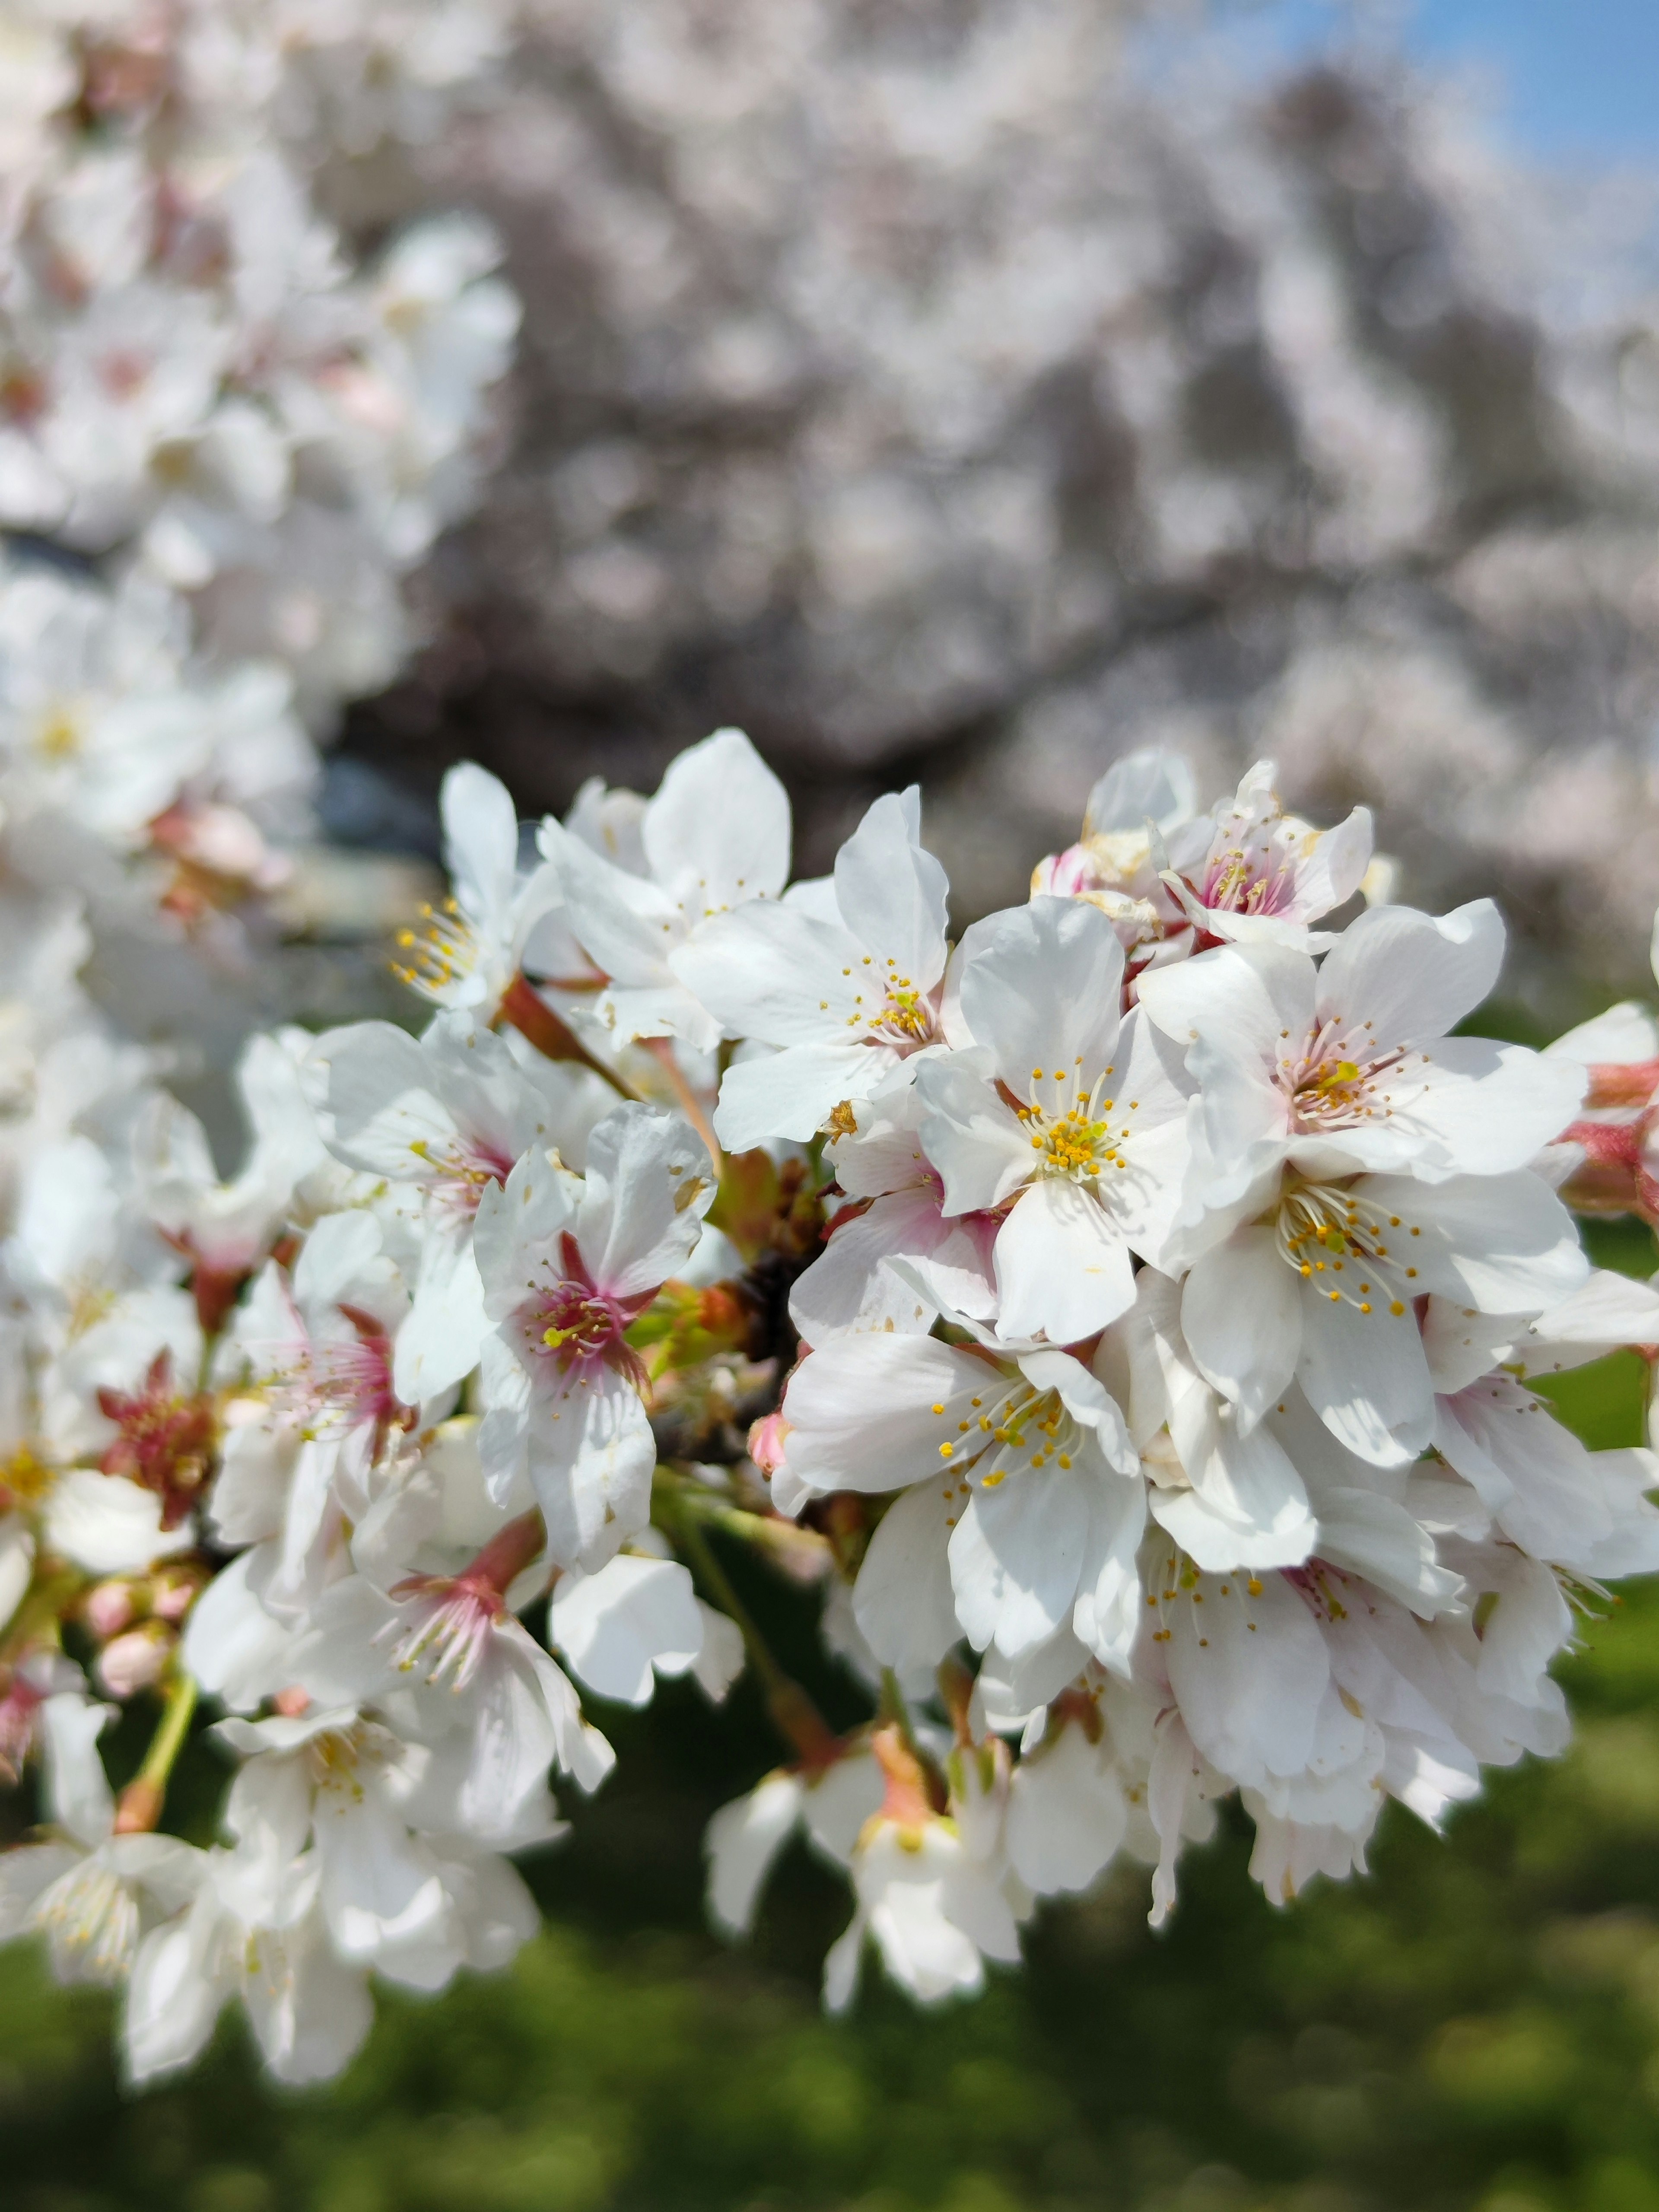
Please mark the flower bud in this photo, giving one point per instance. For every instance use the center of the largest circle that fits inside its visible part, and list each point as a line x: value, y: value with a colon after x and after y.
x: 109, y: 1609
x: 765, y: 1442
x: 174, y: 1588
x: 136, y: 1661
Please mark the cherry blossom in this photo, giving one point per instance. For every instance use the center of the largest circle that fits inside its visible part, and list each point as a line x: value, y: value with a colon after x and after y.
x: 843, y: 977
x: 1127, y: 1332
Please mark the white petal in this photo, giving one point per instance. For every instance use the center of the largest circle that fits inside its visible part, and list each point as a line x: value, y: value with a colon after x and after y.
x: 740, y: 1843
x: 793, y: 1093
x: 861, y: 1410
x: 1492, y: 1107
x: 78, y: 1788
x: 1247, y: 1508
x: 441, y: 1337
x: 972, y: 1134
x: 719, y: 826
x: 892, y: 895
x: 1250, y: 1671
x: 1414, y: 976
x: 848, y: 1287
x: 1367, y: 1377
x: 108, y: 1525
x: 1107, y: 1615
x: 1062, y: 1265
x: 1066, y: 1814
x: 1503, y: 1244
x: 1241, y: 1313
x: 618, y: 1625
x: 1042, y: 991
x: 650, y: 1180
x: 1377, y: 1538
x: 902, y: 1599
x: 776, y: 973
x: 481, y: 840
x: 1016, y: 1555
x: 1239, y: 999
x: 590, y: 1458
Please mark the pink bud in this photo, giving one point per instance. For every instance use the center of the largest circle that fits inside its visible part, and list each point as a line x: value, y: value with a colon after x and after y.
x: 765, y: 1442
x: 109, y: 1609
x: 174, y: 1590
x: 136, y: 1661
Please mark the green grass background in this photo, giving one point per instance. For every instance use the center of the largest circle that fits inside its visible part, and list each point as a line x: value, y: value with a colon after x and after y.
x: 1476, y: 2026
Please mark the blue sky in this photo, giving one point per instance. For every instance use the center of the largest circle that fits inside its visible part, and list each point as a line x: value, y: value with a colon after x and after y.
x: 1571, y: 80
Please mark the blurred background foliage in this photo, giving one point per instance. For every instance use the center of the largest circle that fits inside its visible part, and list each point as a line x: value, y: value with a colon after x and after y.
x: 1477, y: 2026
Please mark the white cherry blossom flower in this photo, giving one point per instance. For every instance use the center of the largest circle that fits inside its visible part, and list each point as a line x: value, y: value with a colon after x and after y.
x: 91, y: 1891
x: 450, y: 1117
x: 1067, y: 1119
x: 254, y: 1932
x: 567, y: 1268
x: 473, y: 950
x: 844, y: 979
x: 930, y: 1891
x: 1023, y: 1503
x: 1348, y: 1067
x: 1253, y: 871
x: 895, y: 1213
x: 714, y: 840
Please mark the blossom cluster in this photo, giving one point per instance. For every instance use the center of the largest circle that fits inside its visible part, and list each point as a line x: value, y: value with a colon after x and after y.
x: 223, y: 441
x: 1121, y: 1324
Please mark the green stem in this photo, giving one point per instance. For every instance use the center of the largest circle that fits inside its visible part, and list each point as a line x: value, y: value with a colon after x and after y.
x: 793, y: 1711
x: 38, y: 1619
x: 893, y: 1709
x: 141, y: 1800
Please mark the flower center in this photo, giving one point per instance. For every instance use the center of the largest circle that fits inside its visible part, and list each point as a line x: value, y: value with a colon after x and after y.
x: 90, y: 1918
x: 907, y: 1017
x: 461, y: 1173
x: 1341, y: 1078
x: 574, y: 1321
x: 59, y: 735
x: 1343, y: 1247
x: 1174, y: 1579
x: 447, y: 1639
x: 166, y: 1440
x: 1236, y: 882
x: 1076, y: 1138
x: 443, y: 955
x: 1013, y: 1428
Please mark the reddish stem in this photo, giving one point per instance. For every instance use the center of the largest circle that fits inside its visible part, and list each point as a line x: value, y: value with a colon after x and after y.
x: 524, y: 1007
